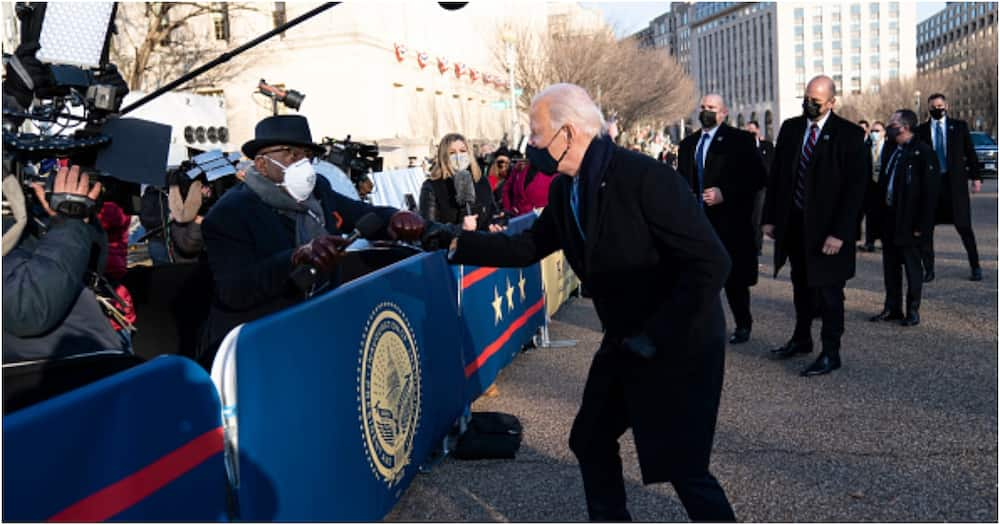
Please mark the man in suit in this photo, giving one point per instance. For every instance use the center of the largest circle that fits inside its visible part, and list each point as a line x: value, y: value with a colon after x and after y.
x: 725, y: 172
x: 957, y: 157
x: 766, y: 150
x: 280, y: 229
x: 907, y: 209
x: 646, y: 251
x: 811, y: 212
x: 874, y: 143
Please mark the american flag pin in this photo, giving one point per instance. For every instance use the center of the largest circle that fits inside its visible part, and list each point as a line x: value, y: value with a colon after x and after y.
x: 826, y: 137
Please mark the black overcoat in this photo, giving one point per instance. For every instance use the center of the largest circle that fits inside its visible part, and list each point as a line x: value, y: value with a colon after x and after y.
x: 963, y: 166
x: 835, y: 188
x: 653, y: 265
x: 733, y: 165
x: 249, y: 247
x: 913, y: 192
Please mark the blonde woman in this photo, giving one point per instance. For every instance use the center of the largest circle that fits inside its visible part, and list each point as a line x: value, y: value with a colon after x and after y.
x: 438, y: 200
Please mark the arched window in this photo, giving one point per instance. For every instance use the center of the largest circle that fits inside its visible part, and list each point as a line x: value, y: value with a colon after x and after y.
x: 768, y: 124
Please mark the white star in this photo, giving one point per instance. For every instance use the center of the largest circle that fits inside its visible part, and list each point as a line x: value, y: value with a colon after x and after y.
x: 510, y: 295
x: 520, y: 284
x: 497, y: 306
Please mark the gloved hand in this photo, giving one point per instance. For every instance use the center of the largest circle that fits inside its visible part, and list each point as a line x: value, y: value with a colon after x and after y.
x: 406, y: 226
x: 640, y: 345
x: 438, y: 236
x: 322, y: 253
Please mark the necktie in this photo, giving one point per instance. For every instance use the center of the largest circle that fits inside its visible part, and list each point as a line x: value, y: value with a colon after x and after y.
x: 891, y: 169
x: 800, y: 182
x: 939, y: 146
x: 700, y: 165
x: 574, y: 202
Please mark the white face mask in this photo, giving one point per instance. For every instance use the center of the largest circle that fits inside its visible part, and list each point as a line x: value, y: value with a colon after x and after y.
x: 300, y: 178
x: 459, y: 161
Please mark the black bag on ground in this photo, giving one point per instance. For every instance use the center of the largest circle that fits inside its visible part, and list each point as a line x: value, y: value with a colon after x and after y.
x: 490, y: 435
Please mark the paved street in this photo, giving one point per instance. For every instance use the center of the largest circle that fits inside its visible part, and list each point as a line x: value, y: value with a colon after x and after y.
x: 906, y: 431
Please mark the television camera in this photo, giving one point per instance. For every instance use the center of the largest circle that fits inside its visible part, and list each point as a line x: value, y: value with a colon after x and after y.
x: 356, y: 159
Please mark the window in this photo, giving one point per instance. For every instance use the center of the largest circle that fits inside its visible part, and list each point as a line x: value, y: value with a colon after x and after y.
x: 800, y: 13
x: 800, y: 62
x: 837, y: 61
x: 799, y: 49
x: 856, y: 61
x: 818, y: 65
x: 873, y: 26
x: 835, y: 45
x: 818, y: 31
x: 280, y: 15
x: 893, y: 74
x: 220, y: 21
x: 856, y: 45
x: 855, y: 9
x: 873, y: 9
x: 874, y: 61
x: 894, y: 26
x: 874, y: 43
x: 817, y: 46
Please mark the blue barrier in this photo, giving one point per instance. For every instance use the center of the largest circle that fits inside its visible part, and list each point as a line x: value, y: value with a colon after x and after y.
x: 135, y: 446
x: 339, y: 400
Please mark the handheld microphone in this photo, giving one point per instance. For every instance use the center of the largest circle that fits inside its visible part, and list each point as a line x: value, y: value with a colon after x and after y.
x: 465, y: 190
x: 367, y: 226
x: 305, y: 276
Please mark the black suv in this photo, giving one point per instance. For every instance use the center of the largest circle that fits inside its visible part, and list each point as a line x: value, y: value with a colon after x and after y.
x: 986, y: 153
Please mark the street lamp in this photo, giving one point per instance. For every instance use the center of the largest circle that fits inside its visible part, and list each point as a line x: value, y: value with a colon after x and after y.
x: 509, y: 38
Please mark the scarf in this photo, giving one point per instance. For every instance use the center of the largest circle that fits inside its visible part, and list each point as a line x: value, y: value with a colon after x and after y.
x: 308, y: 215
x: 592, y: 167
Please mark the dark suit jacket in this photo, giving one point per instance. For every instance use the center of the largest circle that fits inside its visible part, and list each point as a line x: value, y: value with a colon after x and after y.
x: 963, y: 166
x: 733, y: 165
x: 766, y: 150
x: 653, y: 265
x: 835, y: 186
x: 913, y: 192
x: 249, y: 247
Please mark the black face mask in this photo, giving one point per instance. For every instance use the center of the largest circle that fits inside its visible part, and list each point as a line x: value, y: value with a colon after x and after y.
x: 542, y: 160
x: 937, y: 113
x: 810, y: 108
x: 708, y: 119
x: 891, y: 133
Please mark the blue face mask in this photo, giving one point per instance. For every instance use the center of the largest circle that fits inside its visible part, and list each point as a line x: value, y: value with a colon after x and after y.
x: 542, y: 160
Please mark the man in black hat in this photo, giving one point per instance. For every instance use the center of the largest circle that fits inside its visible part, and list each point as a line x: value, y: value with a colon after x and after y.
x: 281, y: 223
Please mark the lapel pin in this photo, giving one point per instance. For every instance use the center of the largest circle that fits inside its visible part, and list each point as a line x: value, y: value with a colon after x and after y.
x: 826, y: 137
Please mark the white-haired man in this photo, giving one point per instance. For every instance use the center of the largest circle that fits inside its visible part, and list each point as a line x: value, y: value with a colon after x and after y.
x: 655, y: 267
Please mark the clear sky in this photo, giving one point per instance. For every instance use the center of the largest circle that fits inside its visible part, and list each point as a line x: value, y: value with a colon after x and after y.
x: 629, y: 17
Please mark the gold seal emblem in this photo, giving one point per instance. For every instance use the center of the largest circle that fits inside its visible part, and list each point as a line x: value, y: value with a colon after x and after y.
x: 389, y: 391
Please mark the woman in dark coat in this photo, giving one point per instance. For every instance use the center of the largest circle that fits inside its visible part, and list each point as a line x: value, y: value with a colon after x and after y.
x: 438, y: 200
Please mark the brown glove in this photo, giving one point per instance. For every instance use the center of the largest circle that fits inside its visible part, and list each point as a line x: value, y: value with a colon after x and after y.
x: 406, y: 226
x: 322, y: 253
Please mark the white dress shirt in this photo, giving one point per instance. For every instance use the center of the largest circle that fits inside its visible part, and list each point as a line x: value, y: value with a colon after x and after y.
x: 708, y: 143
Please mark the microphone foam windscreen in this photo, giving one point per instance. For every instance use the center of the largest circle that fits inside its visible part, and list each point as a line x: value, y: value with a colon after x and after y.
x: 465, y: 189
x: 369, y: 225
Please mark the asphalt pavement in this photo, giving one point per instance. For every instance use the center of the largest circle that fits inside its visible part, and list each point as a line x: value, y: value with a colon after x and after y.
x: 906, y: 431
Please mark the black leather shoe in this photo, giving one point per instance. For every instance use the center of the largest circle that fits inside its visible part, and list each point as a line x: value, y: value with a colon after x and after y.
x: 887, y: 315
x: 928, y: 276
x: 977, y: 274
x: 740, y: 336
x: 824, y: 364
x: 912, y: 319
x: 791, y: 348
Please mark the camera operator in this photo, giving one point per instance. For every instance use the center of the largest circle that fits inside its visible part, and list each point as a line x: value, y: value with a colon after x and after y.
x: 48, y: 310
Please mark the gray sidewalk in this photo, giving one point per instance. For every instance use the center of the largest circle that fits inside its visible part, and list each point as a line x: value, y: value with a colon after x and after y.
x: 906, y: 431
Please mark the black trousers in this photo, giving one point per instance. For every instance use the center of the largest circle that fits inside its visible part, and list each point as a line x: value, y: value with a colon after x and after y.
x: 739, y: 304
x: 758, y: 214
x: 968, y: 241
x: 872, y: 215
x: 601, y: 421
x: 895, y: 259
x: 829, y: 299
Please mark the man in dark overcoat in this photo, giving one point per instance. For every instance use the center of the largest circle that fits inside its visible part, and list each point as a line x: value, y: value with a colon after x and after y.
x: 270, y: 234
x: 725, y: 172
x: 906, y: 206
x: 952, y: 144
x: 811, y: 212
x: 654, y: 266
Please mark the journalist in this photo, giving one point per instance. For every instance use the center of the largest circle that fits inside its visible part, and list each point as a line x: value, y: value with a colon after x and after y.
x: 49, y: 311
x: 281, y: 223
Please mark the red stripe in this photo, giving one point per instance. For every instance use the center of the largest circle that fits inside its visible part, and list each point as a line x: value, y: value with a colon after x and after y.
x: 492, y: 348
x: 119, y: 496
x: 476, y: 276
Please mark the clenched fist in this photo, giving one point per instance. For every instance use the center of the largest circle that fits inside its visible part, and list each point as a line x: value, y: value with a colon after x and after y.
x: 406, y: 226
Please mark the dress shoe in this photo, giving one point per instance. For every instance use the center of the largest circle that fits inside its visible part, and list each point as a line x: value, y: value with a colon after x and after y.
x: 912, y: 319
x: 887, y: 315
x: 791, y: 348
x: 977, y: 274
x: 824, y: 364
x: 928, y: 276
x: 740, y: 336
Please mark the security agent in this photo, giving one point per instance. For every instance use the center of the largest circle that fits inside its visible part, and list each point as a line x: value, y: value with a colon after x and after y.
x: 48, y: 310
x: 907, y: 215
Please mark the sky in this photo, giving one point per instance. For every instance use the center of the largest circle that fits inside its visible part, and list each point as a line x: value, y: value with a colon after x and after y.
x: 629, y: 17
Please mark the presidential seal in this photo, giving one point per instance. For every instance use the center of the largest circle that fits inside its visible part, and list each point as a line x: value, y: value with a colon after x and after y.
x: 388, y: 391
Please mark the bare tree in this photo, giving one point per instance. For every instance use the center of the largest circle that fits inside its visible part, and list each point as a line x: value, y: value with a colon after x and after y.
x: 639, y: 85
x: 160, y: 41
x: 879, y: 104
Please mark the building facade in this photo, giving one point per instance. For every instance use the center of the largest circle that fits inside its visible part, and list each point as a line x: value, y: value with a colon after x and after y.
x: 759, y: 55
x: 960, y: 41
